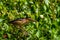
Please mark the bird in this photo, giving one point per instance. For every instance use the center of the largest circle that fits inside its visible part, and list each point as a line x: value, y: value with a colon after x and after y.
x: 22, y: 21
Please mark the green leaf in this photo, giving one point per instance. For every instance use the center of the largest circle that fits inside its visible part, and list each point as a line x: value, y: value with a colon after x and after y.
x: 1, y: 20
x: 38, y: 33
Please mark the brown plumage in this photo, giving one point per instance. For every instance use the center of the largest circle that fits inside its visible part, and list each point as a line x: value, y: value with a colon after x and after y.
x: 22, y: 22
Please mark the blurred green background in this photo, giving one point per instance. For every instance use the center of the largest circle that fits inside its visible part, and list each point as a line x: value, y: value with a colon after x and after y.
x: 46, y: 12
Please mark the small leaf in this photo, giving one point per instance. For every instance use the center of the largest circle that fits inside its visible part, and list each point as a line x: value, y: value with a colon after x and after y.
x: 1, y: 20
x: 47, y: 2
x: 6, y: 27
x: 37, y: 24
x: 38, y: 33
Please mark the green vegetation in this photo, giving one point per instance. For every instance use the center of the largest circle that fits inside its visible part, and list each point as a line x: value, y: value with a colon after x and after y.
x: 46, y: 12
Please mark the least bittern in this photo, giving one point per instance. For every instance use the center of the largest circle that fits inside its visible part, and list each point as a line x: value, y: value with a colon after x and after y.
x: 21, y: 22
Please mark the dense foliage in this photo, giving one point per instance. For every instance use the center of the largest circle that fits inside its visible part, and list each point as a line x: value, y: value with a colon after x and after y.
x: 46, y: 12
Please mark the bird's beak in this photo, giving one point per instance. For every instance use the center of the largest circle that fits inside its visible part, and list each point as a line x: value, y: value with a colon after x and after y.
x: 32, y: 20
